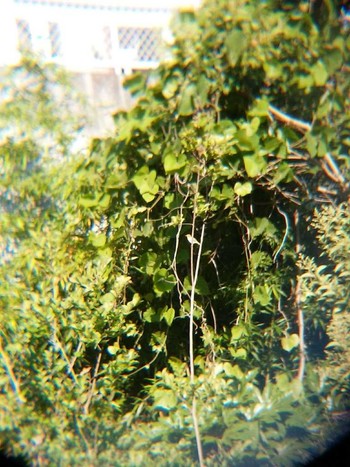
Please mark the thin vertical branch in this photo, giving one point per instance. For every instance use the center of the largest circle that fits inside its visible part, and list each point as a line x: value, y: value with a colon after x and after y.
x: 10, y: 373
x: 93, y: 383
x: 56, y: 342
x: 300, y: 314
x: 196, y: 431
x: 179, y: 285
x: 194, y: 266
x: 194, y: 279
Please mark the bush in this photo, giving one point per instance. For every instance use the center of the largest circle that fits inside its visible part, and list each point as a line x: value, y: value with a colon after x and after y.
x: 156, y: 310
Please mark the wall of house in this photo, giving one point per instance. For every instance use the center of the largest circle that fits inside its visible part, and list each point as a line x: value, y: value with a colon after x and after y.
x: 99, y: 41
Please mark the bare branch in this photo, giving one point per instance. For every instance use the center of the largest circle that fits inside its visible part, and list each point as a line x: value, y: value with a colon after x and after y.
x: 93, y: 383
x: 301, y: 324
x: 334, y: 168
x: 10, y: 373
x: 291, y: 121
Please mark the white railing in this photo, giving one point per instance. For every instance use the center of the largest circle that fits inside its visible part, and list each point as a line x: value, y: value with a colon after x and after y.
x: 87, y: 34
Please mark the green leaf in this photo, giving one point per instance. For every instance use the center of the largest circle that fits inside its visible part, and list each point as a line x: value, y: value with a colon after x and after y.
x: 163, y: 281
x: 259, y: 109
x: 254, y: 165
x: 202, y: 287
x: 238, y: 353
x: 283, y: 174
x: 333, y: 60
x: 88, y: 201
x: 235, y: 42
x: 305, y: 81
x: 262, y: 226
x: 247, y: 140
x: 311, y: 144
x: 149, y: 262
x: 107, y: 298
x: 97, y: 240
x: 170, y: 87
x: 319, y: 74
x: 135, y: 83
x: 164, y: 399
x: 145, y: 182
x: 151, y: 316
x: 174, y: 162
x: 290, y: 342
x: 186, y: 101
x: 203, y: 87
x: 233, y: 371
x: 104, y: 201
x: 237, y: 332
x: 243, y: 189
x: 169, y: 316
x: 262, y: 295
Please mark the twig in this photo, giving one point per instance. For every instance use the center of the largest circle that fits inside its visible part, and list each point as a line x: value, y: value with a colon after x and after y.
x: 334, y: 168
x: 288, y: 120
x: 196, y: 431
x: 329, y: 166
x: 146, y: 365
x: 78, y: 349
x: 58, y: 344
x: 93, y: 384
x: 10, y: 373
x: 194, y: 279
x: 301, y: 324
x: 275, y: 256
x: 177, y: 242
x: 82, y: 436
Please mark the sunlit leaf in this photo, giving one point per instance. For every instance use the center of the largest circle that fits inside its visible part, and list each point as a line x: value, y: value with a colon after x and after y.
x: 290, y: 342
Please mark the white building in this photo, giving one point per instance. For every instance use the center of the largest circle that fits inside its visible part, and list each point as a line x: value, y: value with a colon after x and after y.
x: 98, y: 40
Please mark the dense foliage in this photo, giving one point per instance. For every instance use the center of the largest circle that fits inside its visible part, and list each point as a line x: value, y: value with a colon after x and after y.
x: 180, y: 292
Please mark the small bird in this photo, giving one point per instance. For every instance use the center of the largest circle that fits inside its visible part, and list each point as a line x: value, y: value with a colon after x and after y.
x: 192, y: 240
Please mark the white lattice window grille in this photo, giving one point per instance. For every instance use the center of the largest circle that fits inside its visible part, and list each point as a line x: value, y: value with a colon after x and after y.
x: 145, y: 41
x: 24, y: 37
x: 55, y: 40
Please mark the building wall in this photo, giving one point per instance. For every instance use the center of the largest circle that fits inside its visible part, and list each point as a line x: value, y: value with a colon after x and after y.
x: 99, y: 41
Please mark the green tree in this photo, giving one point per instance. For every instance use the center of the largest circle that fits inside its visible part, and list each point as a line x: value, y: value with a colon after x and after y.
x: 158, y: 312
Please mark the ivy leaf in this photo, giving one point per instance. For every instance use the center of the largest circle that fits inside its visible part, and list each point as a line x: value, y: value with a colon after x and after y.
x: 259, y: 109
x: 237, y: 332
x: 262, y: 295
x: 174, y: 162
x: 164, y: 399
x: 168, y: 316
x: 319, y: 74
x: 243, y: 189
x: 151, y: 316
x: 170, y: 87
x: 203, y: 87
x: 262, y: 226
x: 254, y: 165
x: 88, y: 201
x: 145, y: 182
x: 186, y: 103
x: 290, y: 342
x: 235, y: 42
x: 97, y: 240
x: 163, y: 281
x: 284, y: 173
x: 239, y: 353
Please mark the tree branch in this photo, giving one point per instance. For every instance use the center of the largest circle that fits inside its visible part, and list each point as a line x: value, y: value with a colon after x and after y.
x: 300, y: 313
x: 10, y: 373
x: 290, y: 121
